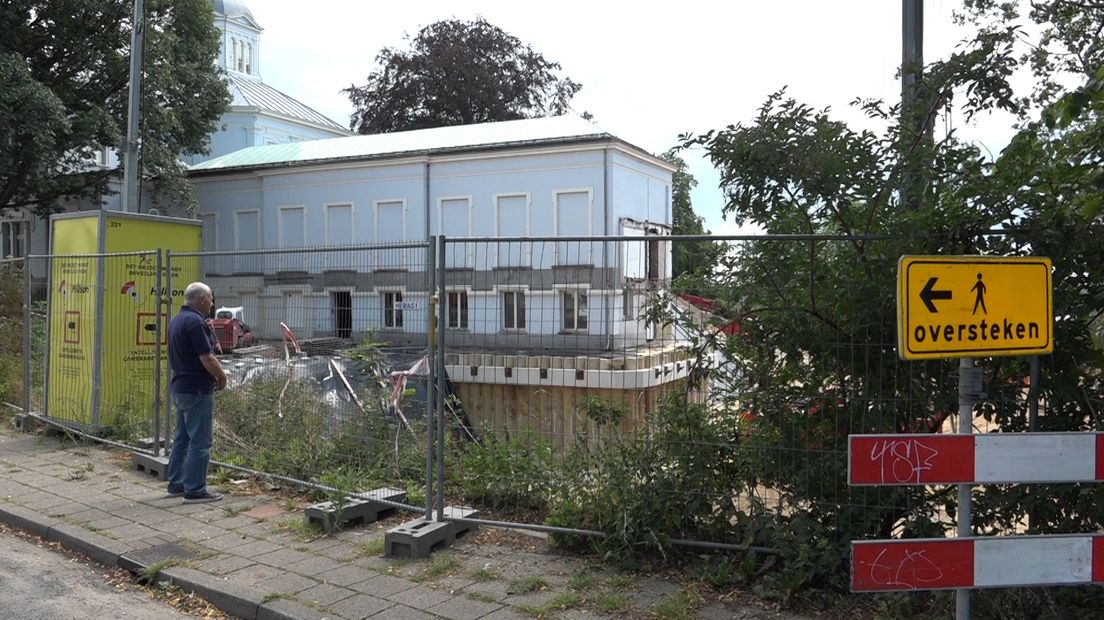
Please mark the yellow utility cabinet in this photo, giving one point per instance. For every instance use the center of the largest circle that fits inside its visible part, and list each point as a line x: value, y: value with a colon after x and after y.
x: 103, y: 308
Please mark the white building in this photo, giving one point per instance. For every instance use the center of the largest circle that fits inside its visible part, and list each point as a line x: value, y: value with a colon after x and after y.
x: 549, y: 177
x: 259, y: 114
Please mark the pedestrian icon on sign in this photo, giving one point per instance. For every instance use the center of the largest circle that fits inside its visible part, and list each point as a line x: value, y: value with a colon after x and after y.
x: 980, y: 299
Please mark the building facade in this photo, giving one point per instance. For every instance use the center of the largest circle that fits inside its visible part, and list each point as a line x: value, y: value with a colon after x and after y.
x: 518, y: 186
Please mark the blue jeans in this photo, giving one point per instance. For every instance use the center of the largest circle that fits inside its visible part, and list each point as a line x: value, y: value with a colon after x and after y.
x: 191, y: 449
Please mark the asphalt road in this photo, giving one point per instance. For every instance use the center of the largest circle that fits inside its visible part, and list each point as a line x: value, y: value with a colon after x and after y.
x: 38, y: 583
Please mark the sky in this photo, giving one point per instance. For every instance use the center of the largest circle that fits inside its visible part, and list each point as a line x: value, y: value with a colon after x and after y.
x: 649, y: 72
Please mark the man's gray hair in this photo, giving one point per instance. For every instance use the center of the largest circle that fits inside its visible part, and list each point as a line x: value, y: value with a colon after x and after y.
x: 195, y: 290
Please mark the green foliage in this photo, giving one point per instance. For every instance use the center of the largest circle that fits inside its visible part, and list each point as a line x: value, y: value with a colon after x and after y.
x: 689, y: 257
x: 11, y: 333
x: 63, y: 95
x: 627, y: 488
x: 458, y: 73
x: 527, y: 585
x: 442, y: 565
x: 815, y: 357
x: 505, y: 473
x: 307, y: 439
x: 602, y: 412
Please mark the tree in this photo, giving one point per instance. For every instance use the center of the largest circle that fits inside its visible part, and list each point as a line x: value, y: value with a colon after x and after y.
x: 458, y: 73
x: 64, y: 69
x: 816, y: 358
x: 690, y: 257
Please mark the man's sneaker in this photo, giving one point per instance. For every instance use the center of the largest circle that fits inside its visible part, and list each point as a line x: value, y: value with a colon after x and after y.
x: 209, y: 496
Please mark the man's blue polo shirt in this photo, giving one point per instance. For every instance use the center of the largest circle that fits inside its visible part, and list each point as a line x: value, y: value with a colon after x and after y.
x: 189, y: 338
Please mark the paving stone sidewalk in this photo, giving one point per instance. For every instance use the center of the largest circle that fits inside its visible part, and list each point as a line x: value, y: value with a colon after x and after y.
x: 247, y: 556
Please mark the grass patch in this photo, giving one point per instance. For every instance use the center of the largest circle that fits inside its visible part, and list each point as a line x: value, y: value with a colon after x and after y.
x: 443, y: 564
x: 149, y: 574
x: 297, y: 528
x: 561, y: 602
x: 482, y: 598
x: 272, y: 596
x: 233, y: 511
x: 373, y: 547
x: 484, y: 574
x: 80, y: 473
x: 527, y: 585
x: 613, y: 603
x: 674, y: 606
x: 289, y: 505
x: 582, y: 580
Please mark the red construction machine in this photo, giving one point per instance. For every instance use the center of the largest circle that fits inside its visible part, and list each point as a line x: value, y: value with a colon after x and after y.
x: 230, y: 330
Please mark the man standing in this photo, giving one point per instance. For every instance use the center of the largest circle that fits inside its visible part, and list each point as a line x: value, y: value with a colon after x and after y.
x: 196, y: 374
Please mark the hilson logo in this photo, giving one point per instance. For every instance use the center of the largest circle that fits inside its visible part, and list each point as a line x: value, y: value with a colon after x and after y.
x: 132, y: 291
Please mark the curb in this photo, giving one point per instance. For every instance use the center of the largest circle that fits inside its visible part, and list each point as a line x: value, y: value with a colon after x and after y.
x: 233, y: 599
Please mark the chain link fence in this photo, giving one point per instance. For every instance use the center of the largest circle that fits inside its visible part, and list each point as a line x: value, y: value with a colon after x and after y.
x: 688, y: 389
x: 93, y: 343
x: 326, y: 351
x: 634, y: 390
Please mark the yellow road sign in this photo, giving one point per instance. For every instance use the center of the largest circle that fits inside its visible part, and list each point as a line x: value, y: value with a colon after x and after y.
x: 973, y: 306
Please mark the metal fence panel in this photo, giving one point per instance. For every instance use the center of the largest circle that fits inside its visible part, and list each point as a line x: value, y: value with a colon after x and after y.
x: 94, y: 344
x: 326, y: 352
x: 597, y: 375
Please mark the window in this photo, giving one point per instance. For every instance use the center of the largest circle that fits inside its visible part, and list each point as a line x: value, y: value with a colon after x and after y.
x: 511, y: 221
x: 574, y: 310
x: 241, y: 56
x: 457, y: 302
x: 339, y: 224
x: 247, y: 236
x: 513, y: 310
x: 291, y: 227
x: 455, y: 221
x: 11, y: 239
x: 392, y: 310
x: 573, y: 220
x: 249, y: 58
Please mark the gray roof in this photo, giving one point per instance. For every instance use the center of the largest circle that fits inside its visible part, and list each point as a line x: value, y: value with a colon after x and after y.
x: 251, y: 92
x: 505, y: 134
x: 232, y: 8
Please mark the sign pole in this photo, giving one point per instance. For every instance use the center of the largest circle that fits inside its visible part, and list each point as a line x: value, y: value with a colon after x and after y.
x: 969, y: 388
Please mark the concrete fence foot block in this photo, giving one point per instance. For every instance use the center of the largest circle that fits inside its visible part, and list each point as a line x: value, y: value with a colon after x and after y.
x: 354, y: 510
x: 147, y: 443
x: 421, y: 537
x: 418, y: 538
x: 461, y: 512
x: 156, y: 466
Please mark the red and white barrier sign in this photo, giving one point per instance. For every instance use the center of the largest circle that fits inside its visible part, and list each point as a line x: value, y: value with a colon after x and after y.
x: 940, y: 563
x: 991, y: 458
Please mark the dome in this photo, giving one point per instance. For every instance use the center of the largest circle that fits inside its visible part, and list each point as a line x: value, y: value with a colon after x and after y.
x: 232, y: 8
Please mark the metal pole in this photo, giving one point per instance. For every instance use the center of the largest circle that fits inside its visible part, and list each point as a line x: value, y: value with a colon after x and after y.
x: 1033, y: 396
x: 441, y: 294
x: 27, y: 336
x: 168, y: 371
x: 130, y: 163
x: 913, y: 123
x: 158, y: 309
x: 1032, y: 426
x: 969, y: 388
x: 431, y: 403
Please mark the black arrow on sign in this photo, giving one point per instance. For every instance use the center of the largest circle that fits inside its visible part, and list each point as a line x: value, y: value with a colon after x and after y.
x: 928, y: 295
